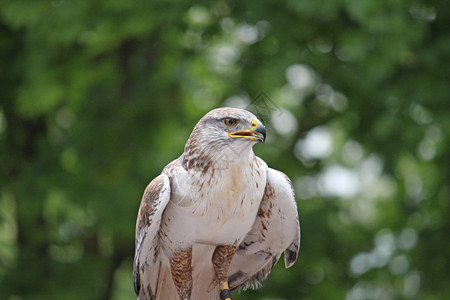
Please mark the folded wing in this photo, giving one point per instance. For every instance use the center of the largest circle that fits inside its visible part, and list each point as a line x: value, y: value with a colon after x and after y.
x: 276, y: 230
x: 154, y: 201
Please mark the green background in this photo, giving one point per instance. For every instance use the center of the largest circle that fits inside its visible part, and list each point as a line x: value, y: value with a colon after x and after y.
x: 98, y: 96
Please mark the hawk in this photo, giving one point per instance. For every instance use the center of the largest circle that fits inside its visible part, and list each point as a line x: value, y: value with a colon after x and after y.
x: 217, y: 218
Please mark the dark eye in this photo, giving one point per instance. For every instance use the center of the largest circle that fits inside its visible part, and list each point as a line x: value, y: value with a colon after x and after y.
x: 230, y: 122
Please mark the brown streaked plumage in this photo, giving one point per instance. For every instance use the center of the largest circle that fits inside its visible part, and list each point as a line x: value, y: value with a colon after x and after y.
x: 181, y: 267
x: 217, y: 218
x: 147, y: 209
x: 221, y: 261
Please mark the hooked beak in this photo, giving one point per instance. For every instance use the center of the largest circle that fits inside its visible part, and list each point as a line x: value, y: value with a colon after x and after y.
x: 256, y: 133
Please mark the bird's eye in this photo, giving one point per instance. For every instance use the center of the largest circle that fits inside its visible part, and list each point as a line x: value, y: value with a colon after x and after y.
x: 230, y: 122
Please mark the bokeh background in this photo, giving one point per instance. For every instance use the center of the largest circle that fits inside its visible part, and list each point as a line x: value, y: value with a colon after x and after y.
x: 98, y: 96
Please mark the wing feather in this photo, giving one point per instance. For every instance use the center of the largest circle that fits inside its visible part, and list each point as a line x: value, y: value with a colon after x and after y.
x: 155, y: 198
x: 276, y: 230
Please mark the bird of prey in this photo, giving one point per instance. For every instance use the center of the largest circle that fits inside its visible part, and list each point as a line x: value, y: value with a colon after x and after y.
x: 217, y: 218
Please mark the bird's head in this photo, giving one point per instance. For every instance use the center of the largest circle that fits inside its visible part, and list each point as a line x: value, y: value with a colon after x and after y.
x: 226, y: 129
x: 231, y: 125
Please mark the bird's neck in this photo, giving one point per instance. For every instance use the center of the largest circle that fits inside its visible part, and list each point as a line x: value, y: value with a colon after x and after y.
x: 205, y: 159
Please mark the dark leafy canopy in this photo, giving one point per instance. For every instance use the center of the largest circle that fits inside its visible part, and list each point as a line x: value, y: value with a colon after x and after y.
x: 97, y: 96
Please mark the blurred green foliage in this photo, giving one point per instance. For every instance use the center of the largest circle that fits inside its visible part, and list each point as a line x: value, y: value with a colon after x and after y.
x: 98, y: 96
